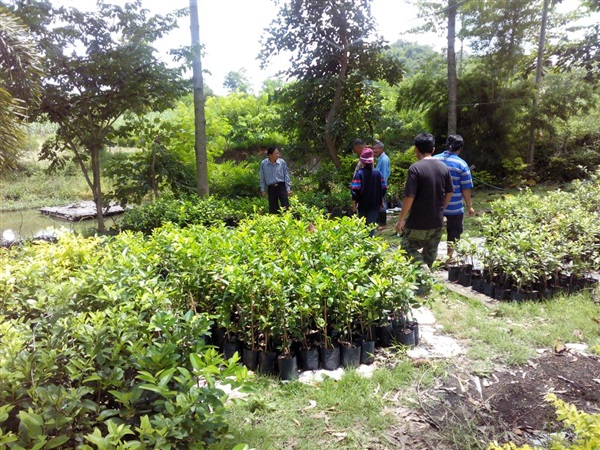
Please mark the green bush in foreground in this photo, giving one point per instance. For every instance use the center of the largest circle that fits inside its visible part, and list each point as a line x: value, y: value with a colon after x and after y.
x: 93, y: 353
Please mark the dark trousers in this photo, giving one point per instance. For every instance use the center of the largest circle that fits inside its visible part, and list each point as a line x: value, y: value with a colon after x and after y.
x: 370, y: 217
x: 277, y: 194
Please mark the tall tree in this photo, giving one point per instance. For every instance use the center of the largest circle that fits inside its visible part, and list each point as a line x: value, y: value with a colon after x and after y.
x: 334, y: 51
x: 200, y: 118
x: 99, y: 65
x: 538, y: 81
x: 452, y: 76
x: 19, y: 85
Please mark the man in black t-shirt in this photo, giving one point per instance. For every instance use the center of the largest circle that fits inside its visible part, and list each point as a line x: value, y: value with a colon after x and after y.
x: 427, y: 192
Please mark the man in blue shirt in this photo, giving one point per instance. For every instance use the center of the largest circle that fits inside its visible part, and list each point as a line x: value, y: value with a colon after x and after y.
x: 275, y: 180
x: 384, y: 166
x: 463, y: 183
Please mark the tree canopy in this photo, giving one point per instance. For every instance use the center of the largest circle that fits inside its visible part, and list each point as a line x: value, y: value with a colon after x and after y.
x: 98, y: 66
x: 335, y: 55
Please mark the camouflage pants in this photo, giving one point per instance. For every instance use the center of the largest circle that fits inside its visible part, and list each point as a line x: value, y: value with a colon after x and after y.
x: 428, y: 240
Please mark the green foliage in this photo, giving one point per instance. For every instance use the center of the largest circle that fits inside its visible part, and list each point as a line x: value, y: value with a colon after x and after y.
x: 97, y: 68
x: 282, y: 276
x: 96, y: 347
x: 533, y: 241
x: 336, y: 55
x: 232, y: 180
x: 185, y: 211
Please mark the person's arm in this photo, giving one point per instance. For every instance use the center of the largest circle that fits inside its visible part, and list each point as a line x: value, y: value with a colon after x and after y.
x: 383, y: 190
x: 447, y: 199
x: 466, y: 193
x: 287, y: 179
x: 263, y: 183
x: 355, y: 188
x: 407, y: 203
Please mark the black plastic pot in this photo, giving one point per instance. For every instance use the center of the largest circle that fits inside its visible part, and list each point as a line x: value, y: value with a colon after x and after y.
x: 488, y: 288
x: 330, y: 358
x: 406, y: 337
x: 267, y: 363
x: 250, y: 358
x: 385, y: 335
x: 349, y: 356
x: 453, y: 273
x: 501, y: 294
x: 477, y: 283
x: 288, y: 368
x: 367, y: 352
x: 230, y: 348
x: 414, y: 326
x: 464, y: 278
x: 309, y: 359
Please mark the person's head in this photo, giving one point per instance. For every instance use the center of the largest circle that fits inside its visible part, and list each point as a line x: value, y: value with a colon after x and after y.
x: 358, y: 145
x: 455, y: 143
x: 366, y: 157
x: 273, y: 153
x: 425, y: 143
x: 378, y: 148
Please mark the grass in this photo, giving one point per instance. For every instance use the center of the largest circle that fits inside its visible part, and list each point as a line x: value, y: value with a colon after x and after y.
x: 351, y: 413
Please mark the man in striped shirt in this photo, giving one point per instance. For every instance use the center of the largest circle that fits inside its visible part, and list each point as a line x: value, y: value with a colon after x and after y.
x: 463, y: 183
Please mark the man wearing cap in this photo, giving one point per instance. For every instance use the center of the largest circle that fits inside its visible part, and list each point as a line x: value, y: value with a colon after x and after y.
x: 384, y: 166
x: 275, y: 180
x: 427, y: 192
x: 368, y: 189
x: 463, y: 183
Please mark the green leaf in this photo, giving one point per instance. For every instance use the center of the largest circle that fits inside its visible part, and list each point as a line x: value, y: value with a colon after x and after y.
x: 57, y: 441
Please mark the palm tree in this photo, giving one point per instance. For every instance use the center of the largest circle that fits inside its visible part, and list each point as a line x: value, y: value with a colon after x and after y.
x: 19, y: 85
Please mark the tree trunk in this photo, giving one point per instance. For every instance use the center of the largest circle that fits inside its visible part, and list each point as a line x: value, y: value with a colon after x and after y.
x: 538, y: 82
x: 452, y: 78
x: 199, y: 117
x: 97, y: 189
x: 337, y: 101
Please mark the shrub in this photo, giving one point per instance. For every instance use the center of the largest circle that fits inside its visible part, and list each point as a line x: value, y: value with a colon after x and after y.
x: 96, y: 351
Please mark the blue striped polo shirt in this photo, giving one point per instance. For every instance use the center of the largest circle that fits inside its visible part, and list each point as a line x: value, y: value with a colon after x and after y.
x: 461, y: 179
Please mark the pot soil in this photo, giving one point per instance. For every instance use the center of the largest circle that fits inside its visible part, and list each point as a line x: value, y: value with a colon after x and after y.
x: 349, y: 356
x: 367, y: 352
x: 288, y: 368
x: 330, y: 358
x: 250, y: 359
x: 267, y: 363
x: 309, y: 359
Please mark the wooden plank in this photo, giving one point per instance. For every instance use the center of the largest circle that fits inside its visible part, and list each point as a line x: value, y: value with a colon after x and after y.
x: 81, y: 211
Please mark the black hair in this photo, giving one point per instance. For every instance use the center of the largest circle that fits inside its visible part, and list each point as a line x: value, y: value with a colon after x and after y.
x: 425, y: 143
x: 357, y: 141
x: 454, y: 142
x: 271, y: 149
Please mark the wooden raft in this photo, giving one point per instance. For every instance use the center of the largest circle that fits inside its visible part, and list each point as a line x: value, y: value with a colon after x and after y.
x: 81, y: 211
